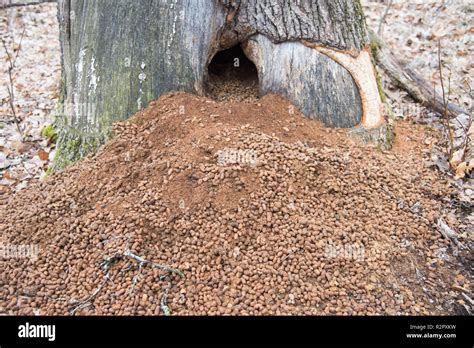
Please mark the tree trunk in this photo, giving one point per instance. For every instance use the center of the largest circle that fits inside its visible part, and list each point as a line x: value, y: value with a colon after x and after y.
x: 118, y: 55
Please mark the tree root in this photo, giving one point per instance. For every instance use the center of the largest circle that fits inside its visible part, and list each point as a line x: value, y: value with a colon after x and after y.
x: 382, y: 136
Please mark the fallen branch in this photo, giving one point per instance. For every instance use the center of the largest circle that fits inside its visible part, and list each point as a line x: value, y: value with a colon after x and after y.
x: 109, y: 261
x: 447, y: 232
x: 410, y: 81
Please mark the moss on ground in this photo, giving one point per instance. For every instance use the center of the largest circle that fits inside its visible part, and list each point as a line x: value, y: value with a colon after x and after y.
x: 49, y: 132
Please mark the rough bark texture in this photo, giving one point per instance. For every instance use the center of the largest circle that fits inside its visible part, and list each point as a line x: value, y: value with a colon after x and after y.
x: 334, y: 23
x: 118, y: 55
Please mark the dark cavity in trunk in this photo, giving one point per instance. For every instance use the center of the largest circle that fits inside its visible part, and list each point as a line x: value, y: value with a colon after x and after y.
x: 232, y: 77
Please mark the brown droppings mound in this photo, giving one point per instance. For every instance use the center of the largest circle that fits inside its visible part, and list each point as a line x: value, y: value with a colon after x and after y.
x: 317, y: 225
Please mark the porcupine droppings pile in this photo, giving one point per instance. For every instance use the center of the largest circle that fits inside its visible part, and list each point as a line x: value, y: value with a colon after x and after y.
x: 264, y: 211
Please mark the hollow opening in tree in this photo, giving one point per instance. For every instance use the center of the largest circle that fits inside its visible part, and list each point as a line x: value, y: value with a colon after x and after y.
x: 232, y: 76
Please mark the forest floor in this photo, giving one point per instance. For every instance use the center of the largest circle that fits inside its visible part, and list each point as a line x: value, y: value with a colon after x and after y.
x: 32, y: 35
x: 413, y: 30
x: 249, y: 239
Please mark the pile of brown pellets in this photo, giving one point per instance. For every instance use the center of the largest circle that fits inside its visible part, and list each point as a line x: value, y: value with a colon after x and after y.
x: 204, y: 208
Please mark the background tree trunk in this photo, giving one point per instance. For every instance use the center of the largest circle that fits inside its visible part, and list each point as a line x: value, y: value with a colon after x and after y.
x: 118, y: 55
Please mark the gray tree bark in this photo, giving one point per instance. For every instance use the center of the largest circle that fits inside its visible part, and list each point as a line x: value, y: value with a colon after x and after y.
x: 119, y: 55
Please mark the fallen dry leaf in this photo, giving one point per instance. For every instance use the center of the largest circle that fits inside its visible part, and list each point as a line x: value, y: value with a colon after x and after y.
x: 461, y: 170
x: 7, y: 175
x: 43, y: 155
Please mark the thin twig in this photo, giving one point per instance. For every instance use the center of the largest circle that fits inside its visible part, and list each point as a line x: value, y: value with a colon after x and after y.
x: 11, y: 86
x: 88, y: 301
x: 109, y: 261
x: 382, y: 20
x: 144, y: 262
x: 445, y: 104
x: 135, y: 278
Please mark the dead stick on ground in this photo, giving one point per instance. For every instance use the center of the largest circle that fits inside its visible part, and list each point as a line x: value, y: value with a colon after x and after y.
x: 447, y: 120
x: 88, y: 301
x: 447, y: 232
x: 164, y: 302
x: 144, y: 262
x: 445, y: 100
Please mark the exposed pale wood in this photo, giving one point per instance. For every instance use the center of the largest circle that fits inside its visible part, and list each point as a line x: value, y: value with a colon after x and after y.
x: 320, y: 87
